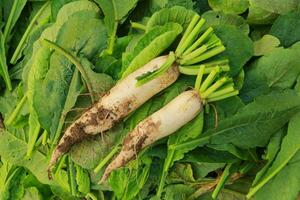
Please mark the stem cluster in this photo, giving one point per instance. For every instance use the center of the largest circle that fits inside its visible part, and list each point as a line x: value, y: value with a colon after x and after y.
x: 214, y: 87
x: 195, y: 46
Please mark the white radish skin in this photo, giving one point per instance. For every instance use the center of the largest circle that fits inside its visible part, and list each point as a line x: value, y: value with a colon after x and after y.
x: 120, y: 101
x: 162, y: 123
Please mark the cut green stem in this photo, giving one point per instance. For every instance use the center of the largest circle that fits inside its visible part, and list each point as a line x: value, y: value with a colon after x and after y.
x: 73, y: 60
x: 34, y: 134
x: 21, y: 44
x: 210, y: 78
x: 190, y: 38
x: 16, y: 111
x: 221, y: 92
x: 199, y: 41
x: 220, y: 62
x: 225, y: 175
x: 194, y: 54
x: 230, y: 94
x: 45, y: 137
x: 107, y: 158
x: 212, y: 43
x: 194, y: 69
x: 190, y: 27
x: 214, y: 87
x: 199, y: 77
x: 138, y: 26
x: 206, y: 55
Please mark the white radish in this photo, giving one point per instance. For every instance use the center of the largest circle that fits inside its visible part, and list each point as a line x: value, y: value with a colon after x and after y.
x: 173, y: 116
x: 120, y: 101
x: 162, y: 123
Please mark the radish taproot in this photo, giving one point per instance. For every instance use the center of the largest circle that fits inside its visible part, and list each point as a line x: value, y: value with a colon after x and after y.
x: 140, y: 85
x: 173, y: 116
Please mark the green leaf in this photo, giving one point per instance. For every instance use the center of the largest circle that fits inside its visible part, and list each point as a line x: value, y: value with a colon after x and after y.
x: 14, y: 188
x: 32, y: 193
x: 14, y: 151
x: 229, y: 6
x: 258, y: 15
x: 5, y: 171
x: 277, y: 6
x: 152, y: 44
x: 39, y: 66
x: 209, y: 155
x: 100, y: 82
x: 181, y: 172
x: 202, y: 169
x: 289, y: 148
x: 56, y: 5
x: 176, y: 14
x: 178, y: 192
x: 112, y: 64
x: 286, y: 182
x: 215, y: 18
x: 188, y: 4
x: 127, y: 182
x: 277, y: 69
x: 115, y: 12
x: 286, y: 28
x: 265, y: 45
x: 82, y: 180
x: 8, y: 101
x: 239, y: 153
x: 272, y: 150
x: 239, y: 47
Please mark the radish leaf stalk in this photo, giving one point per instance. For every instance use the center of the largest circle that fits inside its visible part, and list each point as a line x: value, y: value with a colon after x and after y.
x: 188, y: 51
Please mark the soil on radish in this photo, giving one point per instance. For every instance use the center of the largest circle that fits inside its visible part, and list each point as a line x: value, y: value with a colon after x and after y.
x: 149, y: 127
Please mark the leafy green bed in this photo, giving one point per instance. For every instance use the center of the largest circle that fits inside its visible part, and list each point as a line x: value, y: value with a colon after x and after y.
x: 246, y: 146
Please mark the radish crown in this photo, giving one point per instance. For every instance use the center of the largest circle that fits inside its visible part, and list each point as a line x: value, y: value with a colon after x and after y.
x: 195, y: 46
